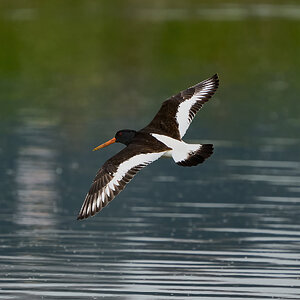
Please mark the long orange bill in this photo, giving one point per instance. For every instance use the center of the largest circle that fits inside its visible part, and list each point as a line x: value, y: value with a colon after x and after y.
x: 105, y: 144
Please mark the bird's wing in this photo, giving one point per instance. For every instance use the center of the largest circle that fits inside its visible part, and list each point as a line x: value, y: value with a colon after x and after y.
x: 177, y: 113
x: 112, y: 178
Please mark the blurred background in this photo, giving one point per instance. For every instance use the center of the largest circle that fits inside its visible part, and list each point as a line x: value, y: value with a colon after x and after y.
x: 72, y: 73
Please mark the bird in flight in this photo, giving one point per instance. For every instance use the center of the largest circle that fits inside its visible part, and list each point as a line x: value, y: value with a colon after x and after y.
x: 162, y: 137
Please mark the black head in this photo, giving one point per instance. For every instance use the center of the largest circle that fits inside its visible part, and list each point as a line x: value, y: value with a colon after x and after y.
x: 125, y: 136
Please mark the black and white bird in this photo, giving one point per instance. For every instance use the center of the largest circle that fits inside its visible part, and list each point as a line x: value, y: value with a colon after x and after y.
x: 162, y: 137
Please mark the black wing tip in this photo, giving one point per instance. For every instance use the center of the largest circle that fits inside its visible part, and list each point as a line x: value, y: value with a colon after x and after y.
x: 211, y: 80
x: 215, y: 79
x: 85, y: 213
x: 216, y: 76
x: 81, y: 216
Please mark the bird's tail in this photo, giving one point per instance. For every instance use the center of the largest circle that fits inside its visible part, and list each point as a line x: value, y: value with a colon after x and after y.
x: 195, y: 156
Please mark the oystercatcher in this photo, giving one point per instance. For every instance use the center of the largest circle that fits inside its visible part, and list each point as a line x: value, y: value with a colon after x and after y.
x: 162, y: 137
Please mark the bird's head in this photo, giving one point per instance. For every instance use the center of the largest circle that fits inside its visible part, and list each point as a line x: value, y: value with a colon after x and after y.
x: 123, y: 136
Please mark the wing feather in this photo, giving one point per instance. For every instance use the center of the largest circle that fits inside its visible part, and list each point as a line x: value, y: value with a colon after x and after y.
x: 114, y: 175
x: 177, y: 113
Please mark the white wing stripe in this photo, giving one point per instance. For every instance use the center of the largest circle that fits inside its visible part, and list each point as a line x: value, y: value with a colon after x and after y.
x: 182, y: 115
x: 107, y: 190
x: 93, y: 206
x: 140, y: 159
x: 111, y: 186
x: 98, y: 201
x: 103, y: 196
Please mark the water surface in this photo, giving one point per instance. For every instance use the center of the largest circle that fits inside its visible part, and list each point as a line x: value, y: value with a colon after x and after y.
x: 72, y: 74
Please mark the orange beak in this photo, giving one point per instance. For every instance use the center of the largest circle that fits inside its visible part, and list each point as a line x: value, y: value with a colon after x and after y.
x: 105, y: 144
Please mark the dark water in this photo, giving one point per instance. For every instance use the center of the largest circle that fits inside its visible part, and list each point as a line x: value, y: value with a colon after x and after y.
x: 72, y: 74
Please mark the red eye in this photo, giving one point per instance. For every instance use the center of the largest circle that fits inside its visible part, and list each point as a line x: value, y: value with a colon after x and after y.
x: 120, y: 133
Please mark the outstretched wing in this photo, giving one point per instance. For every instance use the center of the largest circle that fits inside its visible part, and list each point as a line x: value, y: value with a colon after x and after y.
x: 176, y: 114
x: 112, y: 178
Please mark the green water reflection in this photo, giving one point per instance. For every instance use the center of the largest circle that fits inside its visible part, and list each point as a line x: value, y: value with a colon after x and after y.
x: 80, y: 55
